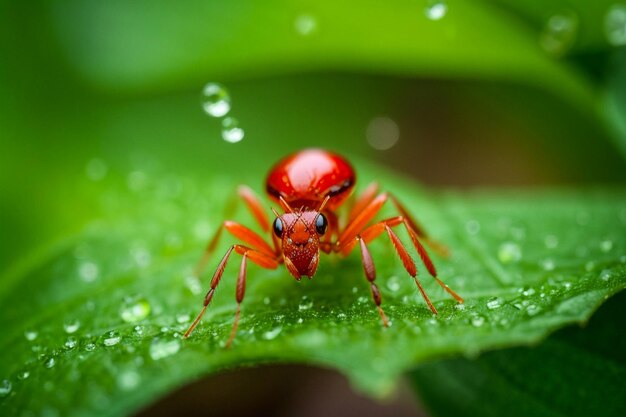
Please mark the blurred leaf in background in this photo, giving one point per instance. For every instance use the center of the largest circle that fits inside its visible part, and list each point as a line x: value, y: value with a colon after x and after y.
x: 99, y: 103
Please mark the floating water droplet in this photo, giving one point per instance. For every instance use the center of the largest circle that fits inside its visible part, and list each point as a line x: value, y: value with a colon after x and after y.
x: 71, y: 343
x: 355, y: 290
x: 478, y: 321
x: 266, y: 301
x: 551, y: 241
x: 436, y: 9
x: 23, y: 375
x: 305, y: 24
x: 529, y: 291
x: 71, y: 326
x: 96, y: 169
x: 393, y: 283
x: 182, y: 318
x: 494, y: 303
x: 231, y: 132
x: 30, y: 335
x: 163, y: 347
x: 559, y: 33
x: 5, y: 387
x: 509, y: 252
x: 382, y: 133
x: 271, y: 334
x: 111, y: 338
x: 548, y: 264
x: 615, y: 25
x: 606, y: 274
x: 88, y: 271
x: 215, y: 100
x: 590, y: 266
x: 300, y: 320
x: 606, y: 245
x: 305, y: 304
x: 472, y: 227
x: 134, y: 308
x: 50, y: 362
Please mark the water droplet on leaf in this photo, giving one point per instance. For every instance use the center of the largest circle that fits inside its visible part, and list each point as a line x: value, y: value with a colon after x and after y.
x: 271, y: 334
x: 111, y: 338
x: 163, y: 347
x: 71, y: 326
x: 494, y: 303
x: 30, y: 335
x: 305, y: 304
x: 134, y: 308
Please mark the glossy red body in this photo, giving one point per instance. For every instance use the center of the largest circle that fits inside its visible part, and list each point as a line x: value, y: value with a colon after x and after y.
x: 305, y: 178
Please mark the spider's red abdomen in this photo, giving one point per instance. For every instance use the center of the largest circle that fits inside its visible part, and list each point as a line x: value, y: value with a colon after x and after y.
x: 305, y: 178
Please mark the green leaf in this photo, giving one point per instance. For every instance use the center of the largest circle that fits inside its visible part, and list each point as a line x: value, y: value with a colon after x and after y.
x: 92, y: 325
x: 575, y: 372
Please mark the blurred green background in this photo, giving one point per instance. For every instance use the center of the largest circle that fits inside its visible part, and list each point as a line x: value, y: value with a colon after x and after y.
x: 486, y: 93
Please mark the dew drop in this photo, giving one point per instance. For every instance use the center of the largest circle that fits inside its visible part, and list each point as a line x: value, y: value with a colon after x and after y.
x: 478, y: 321
x: 509, y: 252
x: 559, y: 33
x: 355, y: 290
x: 231, y: 132
x: 111, y: 338
x: 215, y: 100
x: 567, y: 285
x: 71, y: 343
x: 615, y: 25
x: 90, y: 347
x: 382, y: 133
x: 606, y: 245
x: 494, y: 303
x: 30, y: 335
x: 300, y: 320
x: 305, y: 24
x: 533, y: 309
x: 305, y: 304
x: 436, y: 9
x: 96, y: 169
x: 128, y: 380
x: 50, y: 362
x: 393, y: 283
x: 23, y: 375
x: 134, y: 308
x: 5, y: 387
x: 459, y: 307
x: 163, y: 347
x: 528, y: 292
x: 71, y: 326
x: 605, y: 275
x: 271, y: 334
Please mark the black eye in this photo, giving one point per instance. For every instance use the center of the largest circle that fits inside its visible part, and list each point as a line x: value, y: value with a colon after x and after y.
x: 320, y: 224
x: 278, y: 227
